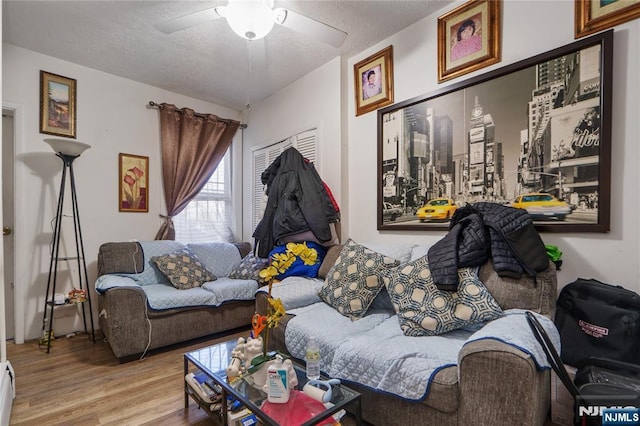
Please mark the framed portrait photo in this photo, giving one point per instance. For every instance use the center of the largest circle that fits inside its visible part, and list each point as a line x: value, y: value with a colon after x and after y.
x: 469, y: 38
x: 374, y: 81
x: 595, y: 15
x: 133, y: 183
x: 57, y: 105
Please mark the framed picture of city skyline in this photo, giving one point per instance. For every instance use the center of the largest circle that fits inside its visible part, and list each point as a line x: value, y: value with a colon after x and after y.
x: 534, y: 135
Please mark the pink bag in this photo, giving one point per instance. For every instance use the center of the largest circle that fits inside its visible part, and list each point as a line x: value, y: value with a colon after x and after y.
x: 296, y: 411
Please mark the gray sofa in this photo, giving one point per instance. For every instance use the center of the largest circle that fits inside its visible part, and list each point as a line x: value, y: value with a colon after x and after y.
x: 127, y: 317
x: 492, y: 383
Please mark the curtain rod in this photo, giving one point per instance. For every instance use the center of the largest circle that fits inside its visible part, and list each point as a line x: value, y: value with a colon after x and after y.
x: 154, y: 104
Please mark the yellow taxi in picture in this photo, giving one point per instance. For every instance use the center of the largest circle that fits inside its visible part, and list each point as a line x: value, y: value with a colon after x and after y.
x: 437, y: 209
x: 542, y: 206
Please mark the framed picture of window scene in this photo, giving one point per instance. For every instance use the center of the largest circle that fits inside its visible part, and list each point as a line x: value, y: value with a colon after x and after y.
x: 469, y: 38
x: 133, y: 183
x: 57, y: 105
x: 373, y: 78
x: 534, y: 135
x: 592, y: 16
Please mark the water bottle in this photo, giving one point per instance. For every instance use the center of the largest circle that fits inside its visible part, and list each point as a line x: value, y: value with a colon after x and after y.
x: 313, y: 359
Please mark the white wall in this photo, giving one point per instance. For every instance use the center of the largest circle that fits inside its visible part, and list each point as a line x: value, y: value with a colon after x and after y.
x: 113, y: 117
x: 311, y: 101
x: 529, y: 28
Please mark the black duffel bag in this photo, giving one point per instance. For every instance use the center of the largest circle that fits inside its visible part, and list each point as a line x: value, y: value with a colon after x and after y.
x: 599, y: 383
x: 598, y: 320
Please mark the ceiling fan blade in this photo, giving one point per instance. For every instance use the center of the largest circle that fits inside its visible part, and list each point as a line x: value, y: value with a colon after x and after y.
x: 304, y: 25
x: 188, y: 21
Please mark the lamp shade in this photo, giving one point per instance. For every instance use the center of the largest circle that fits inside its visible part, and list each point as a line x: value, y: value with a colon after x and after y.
x: 251, y: 19
x: 67, y: 146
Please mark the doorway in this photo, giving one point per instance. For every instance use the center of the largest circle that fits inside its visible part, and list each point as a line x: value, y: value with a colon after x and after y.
x: 8, y: 164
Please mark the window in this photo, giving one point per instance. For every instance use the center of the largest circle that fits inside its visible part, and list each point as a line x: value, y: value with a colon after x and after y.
x: 209, y: 216
x: 304, y: 142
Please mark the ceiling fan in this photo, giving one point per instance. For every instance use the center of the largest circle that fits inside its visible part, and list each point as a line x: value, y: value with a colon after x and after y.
x: 254, y: 19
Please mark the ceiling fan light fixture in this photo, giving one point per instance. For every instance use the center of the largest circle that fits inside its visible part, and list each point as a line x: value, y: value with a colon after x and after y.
x: 250, y: 19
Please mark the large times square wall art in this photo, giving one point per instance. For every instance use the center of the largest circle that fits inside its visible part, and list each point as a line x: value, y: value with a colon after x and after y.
x: 534, y: 135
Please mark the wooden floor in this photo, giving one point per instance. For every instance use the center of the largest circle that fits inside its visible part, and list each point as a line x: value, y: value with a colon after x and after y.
x: 81, y: 383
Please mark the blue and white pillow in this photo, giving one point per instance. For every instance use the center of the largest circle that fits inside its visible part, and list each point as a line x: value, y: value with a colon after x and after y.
x: 353, y: 282
x: 424, y: 310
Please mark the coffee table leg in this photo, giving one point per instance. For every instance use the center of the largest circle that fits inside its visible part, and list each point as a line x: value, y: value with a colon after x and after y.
x: 224, y: 407
x: 359, y: 411
x: 186, y: 394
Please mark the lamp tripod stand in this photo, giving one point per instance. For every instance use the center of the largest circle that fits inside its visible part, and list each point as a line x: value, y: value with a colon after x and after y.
x: 83, y: 280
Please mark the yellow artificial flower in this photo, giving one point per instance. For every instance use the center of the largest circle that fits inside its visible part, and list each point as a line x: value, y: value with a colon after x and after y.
x: 280, y: 262
x: 296, y: 248
x: 268, y: 273
x: 277, y: 311
x: 309, y: 256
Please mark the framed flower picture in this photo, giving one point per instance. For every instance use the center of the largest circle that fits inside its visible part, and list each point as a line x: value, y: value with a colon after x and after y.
x: 133, y: 183
x: 469, y: 38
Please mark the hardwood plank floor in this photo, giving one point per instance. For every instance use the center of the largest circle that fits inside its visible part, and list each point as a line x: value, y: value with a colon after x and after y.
x: 82, y: 383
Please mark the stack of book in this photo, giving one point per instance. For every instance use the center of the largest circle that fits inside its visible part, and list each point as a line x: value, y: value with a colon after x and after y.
x: 205, y: 389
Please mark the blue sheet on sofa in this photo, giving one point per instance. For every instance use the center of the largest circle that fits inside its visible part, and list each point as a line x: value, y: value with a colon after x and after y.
x: 374, y: 352
x: 165, y: 296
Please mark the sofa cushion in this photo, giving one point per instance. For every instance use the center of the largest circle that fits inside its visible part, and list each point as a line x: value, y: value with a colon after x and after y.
x: 535, y: 294
x: 295, y: 292
x: 329, y: 260
x: 249, y: 268
x: 401, y: 252
x: 353, y: 282
x: 424, y: 310
x: 218, y: 257
x: 151, y: 274
x: 183, y: 269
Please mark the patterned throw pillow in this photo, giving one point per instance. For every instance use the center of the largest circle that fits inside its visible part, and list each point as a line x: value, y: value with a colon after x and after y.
x: 249, y: 268
x: 183, y: 269
x: 353, y: 281
x: 423, y: 310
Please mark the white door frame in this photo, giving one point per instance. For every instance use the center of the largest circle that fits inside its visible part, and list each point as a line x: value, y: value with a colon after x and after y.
x: 20, y: 286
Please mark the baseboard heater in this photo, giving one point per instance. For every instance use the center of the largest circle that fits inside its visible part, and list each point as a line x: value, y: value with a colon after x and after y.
x: 7, y: 391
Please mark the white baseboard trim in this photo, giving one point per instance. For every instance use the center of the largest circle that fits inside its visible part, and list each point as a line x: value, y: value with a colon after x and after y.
x: 7, y: 391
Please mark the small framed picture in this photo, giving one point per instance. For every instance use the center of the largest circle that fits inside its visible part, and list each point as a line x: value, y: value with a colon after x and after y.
x: 592, y: 16
x: 133, y: 183
x: 374, y: 81
x: 469, y: 38
x: 57, y: 105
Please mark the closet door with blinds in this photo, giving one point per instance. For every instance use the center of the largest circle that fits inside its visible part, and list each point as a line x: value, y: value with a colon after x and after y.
x: 304, y: 142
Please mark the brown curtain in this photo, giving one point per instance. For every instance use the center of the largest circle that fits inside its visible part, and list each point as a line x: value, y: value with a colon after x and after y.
x: 192, y: 146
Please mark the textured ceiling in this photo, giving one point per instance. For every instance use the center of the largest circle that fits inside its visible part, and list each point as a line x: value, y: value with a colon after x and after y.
x: 209, y: 61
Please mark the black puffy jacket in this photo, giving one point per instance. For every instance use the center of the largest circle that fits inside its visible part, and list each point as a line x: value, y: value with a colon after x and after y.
x: 478, y: 231
x: 297, y: 201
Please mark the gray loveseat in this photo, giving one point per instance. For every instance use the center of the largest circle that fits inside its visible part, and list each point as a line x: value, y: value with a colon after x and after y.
x: 490, y: 383
x: 139, y: 310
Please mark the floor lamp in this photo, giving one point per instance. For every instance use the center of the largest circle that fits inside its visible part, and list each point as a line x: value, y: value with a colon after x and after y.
x: 67, y: 150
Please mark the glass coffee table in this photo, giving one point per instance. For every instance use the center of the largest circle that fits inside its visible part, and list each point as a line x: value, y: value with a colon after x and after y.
x: 213, y: 361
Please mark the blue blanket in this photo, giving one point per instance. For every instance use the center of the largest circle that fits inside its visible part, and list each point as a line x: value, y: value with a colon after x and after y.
x: 165, y: 296
x: 374, y: 352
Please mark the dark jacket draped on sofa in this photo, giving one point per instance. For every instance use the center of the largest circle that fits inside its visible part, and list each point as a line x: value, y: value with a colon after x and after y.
x: 484, y: 230
x: 297, y: 201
